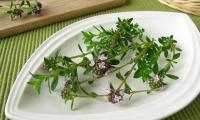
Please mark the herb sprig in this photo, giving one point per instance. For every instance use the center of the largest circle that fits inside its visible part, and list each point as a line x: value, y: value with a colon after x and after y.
x: 17, y: 8
x: 108, y: 49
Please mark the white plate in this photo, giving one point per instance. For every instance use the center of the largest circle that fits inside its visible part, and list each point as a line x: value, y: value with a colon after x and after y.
x: 24, y: 104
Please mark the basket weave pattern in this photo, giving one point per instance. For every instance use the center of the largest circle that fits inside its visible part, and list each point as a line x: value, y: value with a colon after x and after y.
x: 188, y: 6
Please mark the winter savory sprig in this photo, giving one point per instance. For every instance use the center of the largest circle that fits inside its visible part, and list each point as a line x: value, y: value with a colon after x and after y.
x: 18, y: 7
x: 105, y: 54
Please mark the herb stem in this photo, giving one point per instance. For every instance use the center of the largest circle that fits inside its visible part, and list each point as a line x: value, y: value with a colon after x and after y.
x: 83, y: 96
x: 132, y: 68
x: 116, y: 69
x: 124, y: 81
x: 81, y: 55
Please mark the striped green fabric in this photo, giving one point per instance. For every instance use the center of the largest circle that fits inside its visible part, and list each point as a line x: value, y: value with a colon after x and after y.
x: 15, y: 50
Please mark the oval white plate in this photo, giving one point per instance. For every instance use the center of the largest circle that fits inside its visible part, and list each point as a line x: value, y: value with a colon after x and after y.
x: 24, y: 104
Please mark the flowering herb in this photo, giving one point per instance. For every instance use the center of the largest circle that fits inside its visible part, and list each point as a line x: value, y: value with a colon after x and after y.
x: 17, y: 8
x: 108, y: 49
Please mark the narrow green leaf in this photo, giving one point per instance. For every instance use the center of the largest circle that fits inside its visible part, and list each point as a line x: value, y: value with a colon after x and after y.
x: 67, y: 59
x: 54, y: 83
x: 148, y: 91
x: 127, y: 89
x: 172, y: 76
x: 166, y: 53
x: 79, y: 47
x: 178, y: 49
x: 84, y: 91
x: 72, y: 103
x: 114, y: 62
x: 36, y: 84
x: 111, y: 87
x: 137, y: 74
x: 93, y: 94
x: 39, y: 76
x: 127, y: 73
x: 90, y: 82
x: 155, y: 68
x: 87, y: 70
x: 119, y: 76
x: 49, y: 85
x: 176, y: 56
x: 148, y: 39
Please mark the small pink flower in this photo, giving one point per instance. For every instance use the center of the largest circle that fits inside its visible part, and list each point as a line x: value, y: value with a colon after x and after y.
x: 92, y: 63
x: 102, y: 65
x: 103, y: 56
x: 116, y: 96
x: 156, y: 78
x: 163, y: 88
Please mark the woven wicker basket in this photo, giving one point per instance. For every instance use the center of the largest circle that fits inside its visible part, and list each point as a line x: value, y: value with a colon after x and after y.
x: 188, y: 6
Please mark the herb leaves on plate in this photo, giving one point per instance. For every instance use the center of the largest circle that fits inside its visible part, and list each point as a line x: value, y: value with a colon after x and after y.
x: 109, y: 48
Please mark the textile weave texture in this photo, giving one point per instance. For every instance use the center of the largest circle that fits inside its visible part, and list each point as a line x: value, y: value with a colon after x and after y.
x: 15, y: 51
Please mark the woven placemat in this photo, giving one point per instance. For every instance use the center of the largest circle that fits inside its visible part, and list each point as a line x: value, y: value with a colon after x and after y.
x: 15, y: 50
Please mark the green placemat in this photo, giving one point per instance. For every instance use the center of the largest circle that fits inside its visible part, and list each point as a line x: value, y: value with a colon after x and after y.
x: 15, y: 50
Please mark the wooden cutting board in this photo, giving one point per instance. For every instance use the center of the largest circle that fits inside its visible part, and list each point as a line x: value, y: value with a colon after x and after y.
x: 53, y: 11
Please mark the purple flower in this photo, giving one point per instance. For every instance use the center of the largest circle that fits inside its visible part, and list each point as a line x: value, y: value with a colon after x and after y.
x: 103, y: 56
x: 102, y: 65
x: 163, y: 88
x: 156, y: 78
x: 155, y: 82
x: 92, y: 63
x: 116, y: 96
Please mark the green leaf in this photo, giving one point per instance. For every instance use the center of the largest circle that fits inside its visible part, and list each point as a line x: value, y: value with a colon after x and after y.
x: 79, y: 47
x: 114, y: 62
x: 155, y: 68
x: 72, y: 103
x: 36, y: 84
x: 149, y: 91
x: 75, y: 86
x: 111, y: 87
x: 176, y: 56
x: 119, y: 76
x: 148, y: 39
x: 87, y: 70
x: 84, y: 91
x: 22, y: 2
x: 127, y: 89
x: 93, y: 94
x: 67, y: 59
x: 28, y: 3
x: 54, y: 83
x: 172, y: 76
x: 178, y: 49
x: 85, y: 61
x: 127, y: 73
x: 166, y: 53
x: 137, y: 74
x: 49, y: 85
x: 87, y: 36
x: 90, y: 82
x: 39, y: 76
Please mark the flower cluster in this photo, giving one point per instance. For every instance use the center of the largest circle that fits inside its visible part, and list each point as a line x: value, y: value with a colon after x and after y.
x: 101, y: 65
x: 66, y: 91
x: 156, y: 83
x: 115, y: 96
